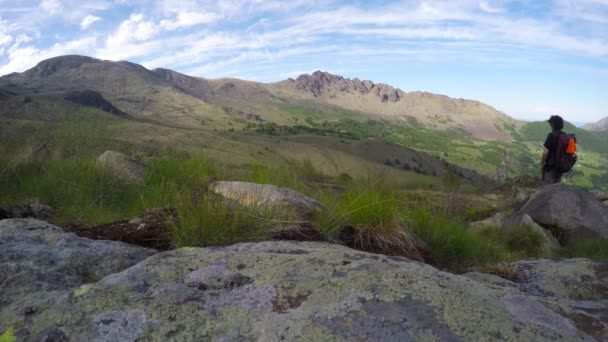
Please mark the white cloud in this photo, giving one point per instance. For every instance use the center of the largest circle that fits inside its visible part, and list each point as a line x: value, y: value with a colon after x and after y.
x: 23, y: 58
x: 5, y: 37
x: 51, y: 6
x: 88, y: 21
x: 486, y: 7
x: 187, y: 19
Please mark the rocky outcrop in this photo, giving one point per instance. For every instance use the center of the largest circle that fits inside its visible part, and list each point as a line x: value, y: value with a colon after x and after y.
x: 323, y: 83
x: 124, y: 167
x: 55, y: 286
x: 600, y: 126
x: 268, y: 196
x: 570, y: 212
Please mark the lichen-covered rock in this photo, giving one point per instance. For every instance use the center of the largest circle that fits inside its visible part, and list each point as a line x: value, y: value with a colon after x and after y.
x: 122, y: 166
x: 570, y: 212
x: 292, y: 291
x: 41, y: 265
x: 266, y: 195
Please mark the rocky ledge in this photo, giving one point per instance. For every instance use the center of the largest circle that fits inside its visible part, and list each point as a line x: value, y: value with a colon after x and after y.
x: 55, y: 286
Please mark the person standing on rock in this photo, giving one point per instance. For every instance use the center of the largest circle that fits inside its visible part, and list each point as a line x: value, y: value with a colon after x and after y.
x: 551, y: 172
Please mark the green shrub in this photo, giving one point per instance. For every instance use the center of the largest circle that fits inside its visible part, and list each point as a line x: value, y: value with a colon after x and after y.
x: 453, y: 245
x: 520, y: 240
x: 595, y: 249
x: 368, y: 216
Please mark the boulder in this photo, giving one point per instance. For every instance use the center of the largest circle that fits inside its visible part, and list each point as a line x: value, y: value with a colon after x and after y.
x: 35, y: 209
x: 570, y: 212
x: 41, y: 265
x: 268, y: 196
x: 55, y: 286
x: 550, y: 242
x: 491, y: 222
x: 124, y: 167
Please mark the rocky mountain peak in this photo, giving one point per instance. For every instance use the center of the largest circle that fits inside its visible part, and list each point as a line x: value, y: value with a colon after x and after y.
x: 52, y: 65
x: 322, y: 83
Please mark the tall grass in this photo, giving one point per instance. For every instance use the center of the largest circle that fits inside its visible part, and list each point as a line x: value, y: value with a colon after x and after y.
x: 211, y: 220
x: 298, y: 175
x: 453, y: 245
x: 595, y: 249
x: 368, y: 216
x: 64, y: 175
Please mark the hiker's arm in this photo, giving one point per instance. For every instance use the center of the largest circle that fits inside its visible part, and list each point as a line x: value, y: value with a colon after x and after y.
x: 543, y: 159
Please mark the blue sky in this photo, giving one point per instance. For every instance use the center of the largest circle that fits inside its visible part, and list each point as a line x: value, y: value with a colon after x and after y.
x: 528, y: 58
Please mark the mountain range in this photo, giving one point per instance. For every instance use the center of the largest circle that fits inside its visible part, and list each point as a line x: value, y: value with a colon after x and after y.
x: 144, y: 93
x: 340, y: 124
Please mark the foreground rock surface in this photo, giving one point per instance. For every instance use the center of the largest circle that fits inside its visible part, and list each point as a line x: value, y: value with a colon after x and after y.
x: 266, y: 195
x: 279, y: 290
x: 570, y: 212
x: 122, y: 166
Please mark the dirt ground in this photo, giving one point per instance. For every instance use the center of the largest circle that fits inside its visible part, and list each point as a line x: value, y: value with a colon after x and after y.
x: 149, y: 230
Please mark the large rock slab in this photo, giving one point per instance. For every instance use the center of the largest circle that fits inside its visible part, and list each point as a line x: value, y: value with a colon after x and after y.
x: 124, y: 167
x: 41, y: 265
x: 279, y: 290
x: 267, y: 195
x: 570, y: 212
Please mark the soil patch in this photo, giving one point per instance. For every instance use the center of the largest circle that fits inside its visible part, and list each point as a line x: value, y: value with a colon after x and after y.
x: 149, y: 230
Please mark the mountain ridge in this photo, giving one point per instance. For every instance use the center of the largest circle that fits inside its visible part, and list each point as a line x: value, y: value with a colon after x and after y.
x: 135, y: 87
x: 599, y: 126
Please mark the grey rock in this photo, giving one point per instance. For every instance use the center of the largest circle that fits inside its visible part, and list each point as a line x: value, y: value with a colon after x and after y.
x: 35, y: 209
x: 550, y: 242
x: 119, y: 326
x: 571, y: 212
x: 266, y: 195
x: 121, y: 166
x: 600, y: 195
x: 283, y: 291
x: 491, y: 222
x: 40, y: 265
x: 529, y: 310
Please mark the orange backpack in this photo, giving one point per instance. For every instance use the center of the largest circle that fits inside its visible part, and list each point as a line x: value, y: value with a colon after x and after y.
x: 566, y: 152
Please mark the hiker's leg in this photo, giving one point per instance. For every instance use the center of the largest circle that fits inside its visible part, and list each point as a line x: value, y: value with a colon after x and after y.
x: 547, y: 178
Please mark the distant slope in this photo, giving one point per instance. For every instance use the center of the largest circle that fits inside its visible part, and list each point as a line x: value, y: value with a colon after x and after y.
x: 591, y: 141
x: 600, y: 126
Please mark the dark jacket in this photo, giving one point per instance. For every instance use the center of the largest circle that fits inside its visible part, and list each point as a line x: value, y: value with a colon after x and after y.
x: 551, y: 144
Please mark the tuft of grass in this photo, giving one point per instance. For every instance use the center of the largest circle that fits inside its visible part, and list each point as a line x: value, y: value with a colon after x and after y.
x: 211, y: 220
x: 453, y: 245
x: 521, y: 241
x: 506, y: 270
x: 368, y: 216
x: 298, y: 175
x: 594, y: 249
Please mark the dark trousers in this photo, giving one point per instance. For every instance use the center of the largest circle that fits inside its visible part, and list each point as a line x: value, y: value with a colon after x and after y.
x: 551, y: 176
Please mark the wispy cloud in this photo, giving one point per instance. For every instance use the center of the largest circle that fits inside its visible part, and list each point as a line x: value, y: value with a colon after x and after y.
x: 88, y: 21
x: 271, y: 37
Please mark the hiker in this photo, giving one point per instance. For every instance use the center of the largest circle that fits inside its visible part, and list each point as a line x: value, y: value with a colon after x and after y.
x: 559, y: 155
